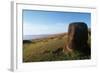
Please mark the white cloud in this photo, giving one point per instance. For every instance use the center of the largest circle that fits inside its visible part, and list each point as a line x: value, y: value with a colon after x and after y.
x: 35, y: 29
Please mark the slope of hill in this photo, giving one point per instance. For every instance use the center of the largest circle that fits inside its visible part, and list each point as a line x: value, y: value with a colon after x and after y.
x: 48, y: 49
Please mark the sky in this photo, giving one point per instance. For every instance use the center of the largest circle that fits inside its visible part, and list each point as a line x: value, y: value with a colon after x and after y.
x: 37, y: 22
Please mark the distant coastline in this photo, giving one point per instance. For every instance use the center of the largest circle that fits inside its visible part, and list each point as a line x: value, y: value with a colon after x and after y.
x: 33, y: 37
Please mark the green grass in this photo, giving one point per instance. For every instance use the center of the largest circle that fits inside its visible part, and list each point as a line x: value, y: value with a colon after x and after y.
x: 43, y: 50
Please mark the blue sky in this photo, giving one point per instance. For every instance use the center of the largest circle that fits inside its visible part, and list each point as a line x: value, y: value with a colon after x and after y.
x: 51, y: 22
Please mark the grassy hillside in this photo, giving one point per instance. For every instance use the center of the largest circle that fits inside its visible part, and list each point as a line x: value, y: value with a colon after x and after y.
x: 48, y: 49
